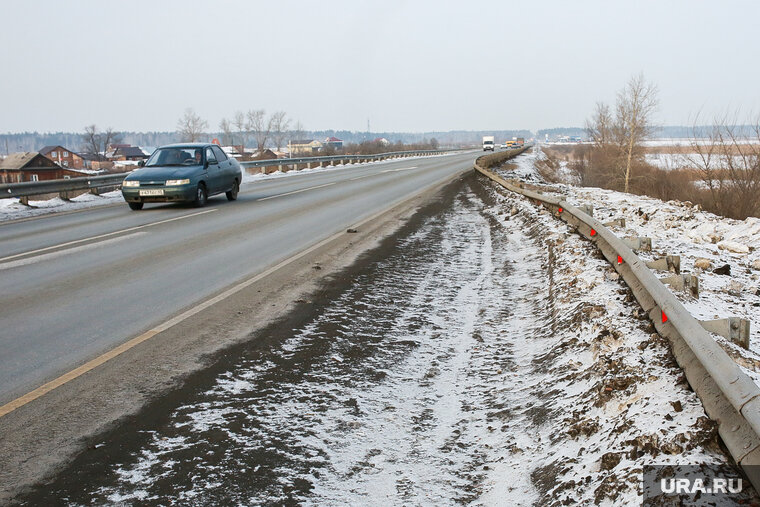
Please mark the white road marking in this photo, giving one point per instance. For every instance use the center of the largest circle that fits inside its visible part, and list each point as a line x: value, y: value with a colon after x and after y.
x: 400, y: 169
x: 362, y: 177
x: 67, y: 251
x: 101, y: 236
x: 295, y: 192
x: 94, y: 363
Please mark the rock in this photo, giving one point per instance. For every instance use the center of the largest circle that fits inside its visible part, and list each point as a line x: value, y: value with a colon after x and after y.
x: 733, y: 246
x: 723, y: 270
x: 513, y: 212
x: 677, y: 406
x: 351, y: 231
x: 714, y: 238
x: 703, y: 263
x: 735, y: 288
x: 610, y: 460
x: 756, y: 264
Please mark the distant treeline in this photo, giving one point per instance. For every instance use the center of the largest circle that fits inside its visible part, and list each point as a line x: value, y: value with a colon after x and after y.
x: 34, y: 141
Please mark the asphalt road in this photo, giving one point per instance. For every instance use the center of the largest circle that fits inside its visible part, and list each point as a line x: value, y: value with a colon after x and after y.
x: 74, y: 286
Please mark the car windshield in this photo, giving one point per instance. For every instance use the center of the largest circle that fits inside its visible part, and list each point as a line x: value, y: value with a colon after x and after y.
x: 176, y: 156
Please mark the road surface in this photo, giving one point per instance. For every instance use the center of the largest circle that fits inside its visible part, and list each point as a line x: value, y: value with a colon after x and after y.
x: 76, y: 285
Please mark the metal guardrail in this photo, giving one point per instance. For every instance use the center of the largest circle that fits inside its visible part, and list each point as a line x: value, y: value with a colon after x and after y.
x: 729, y: 396
x: 27, y: 189
x: 341, y: 159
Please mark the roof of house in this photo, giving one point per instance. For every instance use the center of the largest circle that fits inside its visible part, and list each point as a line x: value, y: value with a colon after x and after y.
x: 91, y: 156
x: 130, y: 151
x: 22, y: 159
x: 47, y: 149
x: 302, y: 141
x: 333, y: 140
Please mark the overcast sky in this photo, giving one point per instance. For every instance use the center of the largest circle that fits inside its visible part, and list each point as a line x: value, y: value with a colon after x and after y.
x: 405, y: 65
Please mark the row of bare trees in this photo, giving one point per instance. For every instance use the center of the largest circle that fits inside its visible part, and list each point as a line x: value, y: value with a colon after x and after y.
x: 255, y: 123
x: 727, y: 159
x: 721, y: 170
x: 242, y: 127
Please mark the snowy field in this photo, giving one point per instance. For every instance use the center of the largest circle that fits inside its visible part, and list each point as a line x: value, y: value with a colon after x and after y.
x: 490, y: 357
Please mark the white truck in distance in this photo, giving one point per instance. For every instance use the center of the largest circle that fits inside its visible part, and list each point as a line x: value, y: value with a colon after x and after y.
x: 487, y: 143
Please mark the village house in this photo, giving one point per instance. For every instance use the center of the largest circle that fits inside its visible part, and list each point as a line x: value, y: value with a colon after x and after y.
x: 63, y: 157
x: 334, y: 143
x: 127, y: 152
x: 32, y: 166
x: 304, y: 147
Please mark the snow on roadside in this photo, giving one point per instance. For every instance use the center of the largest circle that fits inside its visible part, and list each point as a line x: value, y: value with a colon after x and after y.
x: 11, y: 208
x: 704, y: 241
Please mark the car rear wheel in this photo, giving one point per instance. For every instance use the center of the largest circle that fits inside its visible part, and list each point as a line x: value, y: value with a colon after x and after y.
x: 135, y: 205
x: 201, y: 196
x: 233, y: 193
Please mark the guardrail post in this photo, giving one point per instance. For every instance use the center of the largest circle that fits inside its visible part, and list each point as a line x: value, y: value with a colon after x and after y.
x: 24, y: 199
x: 308, y: 165
x: 64, y: 195
x: 735, y: 329
x: 667, y: 263
x: 685, y: 282
x: 618, y: 222
x: 587, y: 209
x: 639, y: 244
x: 95, y: 191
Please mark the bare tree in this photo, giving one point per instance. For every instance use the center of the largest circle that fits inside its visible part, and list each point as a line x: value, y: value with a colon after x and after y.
x: 599, y: 126
x: 226, y: 127
x: 296, y: 133
x: 618, y: 139
x: 636, y: 103
x: 238, y: 121
x: 96, y: 143
x: 280, y: 124
x: 257, y: 125
x: 191, y: 126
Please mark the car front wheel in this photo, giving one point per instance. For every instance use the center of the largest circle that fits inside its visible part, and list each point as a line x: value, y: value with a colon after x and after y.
x: 201, y: 196
x: 233, y: 193
x: 135, y: 205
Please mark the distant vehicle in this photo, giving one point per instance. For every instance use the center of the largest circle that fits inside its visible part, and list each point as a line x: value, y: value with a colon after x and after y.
x: 520, y: 141
x: 488, y: 143
x: 183, y: 172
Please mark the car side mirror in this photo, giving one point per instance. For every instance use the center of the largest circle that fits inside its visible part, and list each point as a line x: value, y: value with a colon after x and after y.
x: 212, y: 162
x: 141, y: 163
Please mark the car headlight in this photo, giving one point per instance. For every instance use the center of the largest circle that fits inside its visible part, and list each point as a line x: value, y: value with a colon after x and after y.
x: 130, y: 183
x: 170, y: 183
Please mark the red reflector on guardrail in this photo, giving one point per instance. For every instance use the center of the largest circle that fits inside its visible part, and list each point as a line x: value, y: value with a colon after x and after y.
x: 559, y: 210
x: 593, y: 232
x: 664, y: 317
x: 620, y: 260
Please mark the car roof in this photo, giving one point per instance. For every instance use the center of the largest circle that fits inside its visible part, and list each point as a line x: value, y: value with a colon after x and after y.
x: 187, y: 145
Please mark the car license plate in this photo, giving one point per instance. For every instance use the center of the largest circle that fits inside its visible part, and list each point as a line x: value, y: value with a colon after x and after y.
x: 159, y: 191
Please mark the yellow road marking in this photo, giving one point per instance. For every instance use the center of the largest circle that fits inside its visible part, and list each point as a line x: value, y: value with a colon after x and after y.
x: 94, y: 363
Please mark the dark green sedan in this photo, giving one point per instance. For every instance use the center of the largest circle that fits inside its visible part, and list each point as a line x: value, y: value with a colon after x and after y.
x: 183, y: 172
